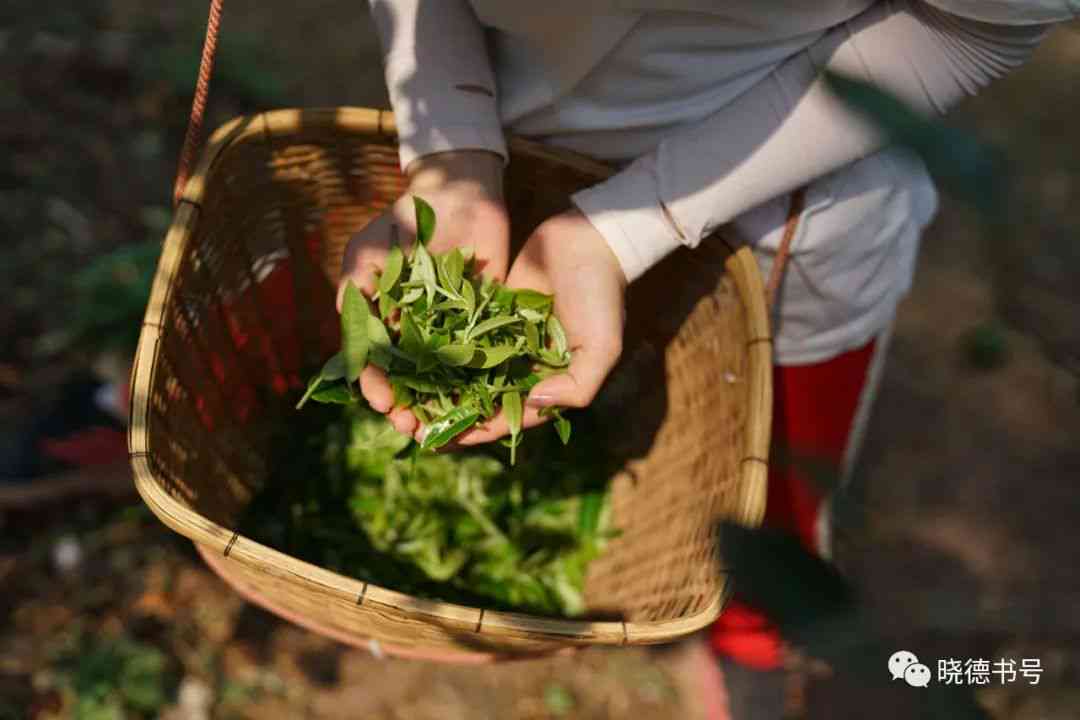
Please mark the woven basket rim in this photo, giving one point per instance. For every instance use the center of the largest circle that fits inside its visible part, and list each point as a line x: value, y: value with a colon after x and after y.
x: 741, y: 265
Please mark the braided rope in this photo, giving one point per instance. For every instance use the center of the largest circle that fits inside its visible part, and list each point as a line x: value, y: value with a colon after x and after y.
x: 783, y: 252
x: 193, y: 137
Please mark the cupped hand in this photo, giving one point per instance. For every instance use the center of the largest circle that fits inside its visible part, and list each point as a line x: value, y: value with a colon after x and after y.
x: 464, y: 188
x: 567, y: 257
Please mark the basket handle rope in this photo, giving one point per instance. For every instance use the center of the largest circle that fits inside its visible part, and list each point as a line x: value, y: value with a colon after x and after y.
x: 193, y: 136
x: 193, y: 142
x: 776, y: 272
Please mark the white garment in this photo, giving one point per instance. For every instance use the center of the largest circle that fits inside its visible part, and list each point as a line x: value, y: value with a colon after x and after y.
x: 721, y: 106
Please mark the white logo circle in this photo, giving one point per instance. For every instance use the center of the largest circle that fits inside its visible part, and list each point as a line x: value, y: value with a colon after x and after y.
x: 899, y: 662
x: 917, y: 675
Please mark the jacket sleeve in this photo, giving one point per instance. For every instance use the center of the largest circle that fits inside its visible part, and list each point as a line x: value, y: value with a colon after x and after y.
x: 789, y: 130
x: 438, y: 76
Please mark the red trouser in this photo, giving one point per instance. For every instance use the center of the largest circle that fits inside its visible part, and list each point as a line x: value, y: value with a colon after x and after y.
x: 814, y: 409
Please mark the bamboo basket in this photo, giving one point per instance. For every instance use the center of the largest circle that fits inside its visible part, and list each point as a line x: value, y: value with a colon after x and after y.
x: 271, y: 205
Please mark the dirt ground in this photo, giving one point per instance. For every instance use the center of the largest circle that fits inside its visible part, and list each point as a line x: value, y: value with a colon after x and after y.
x: 959, y: 530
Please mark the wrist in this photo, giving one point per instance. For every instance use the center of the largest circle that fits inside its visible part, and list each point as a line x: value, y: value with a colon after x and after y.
x: 627, y: 213
x: 482, y: 168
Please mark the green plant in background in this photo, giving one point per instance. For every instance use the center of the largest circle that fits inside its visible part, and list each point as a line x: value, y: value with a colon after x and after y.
x: 107, y: 302
x: 111, y: 678
x: 456, y: 347
x: 245, y: 68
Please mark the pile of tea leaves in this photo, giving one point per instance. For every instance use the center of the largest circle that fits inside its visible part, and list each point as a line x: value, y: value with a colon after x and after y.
x: 351, y: 494
x: 456, y: 346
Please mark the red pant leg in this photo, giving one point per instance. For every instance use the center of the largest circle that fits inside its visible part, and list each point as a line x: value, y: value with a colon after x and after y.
x: 813, y: 411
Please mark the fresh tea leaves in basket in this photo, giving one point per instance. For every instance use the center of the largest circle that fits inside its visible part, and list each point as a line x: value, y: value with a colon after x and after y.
x: 465, y: 527
x: 456, y: 346
x: 351, y: 494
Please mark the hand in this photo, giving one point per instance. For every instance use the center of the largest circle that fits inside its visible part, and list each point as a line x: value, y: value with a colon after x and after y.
x: 569, y: 258
x: 465, y: 190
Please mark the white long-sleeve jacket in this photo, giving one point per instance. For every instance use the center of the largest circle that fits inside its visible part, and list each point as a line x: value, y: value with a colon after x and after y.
x: 719, y: 106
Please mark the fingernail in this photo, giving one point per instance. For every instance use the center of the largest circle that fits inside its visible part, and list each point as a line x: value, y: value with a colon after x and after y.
x: 540, y: 400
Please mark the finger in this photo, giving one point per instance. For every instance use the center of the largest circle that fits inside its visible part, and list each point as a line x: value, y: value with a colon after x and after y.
x: 492, y: 265
x: 485, y: 432
x: 376, y: 389
x: 403, y: 420
x: 483, y: 227
x: 491, y: 245
x: 365, y: 255
x: 531, y: 417
x: 364, y: 281
x: 527, y: 273
x: 577, y: 387
x: 497, y: 428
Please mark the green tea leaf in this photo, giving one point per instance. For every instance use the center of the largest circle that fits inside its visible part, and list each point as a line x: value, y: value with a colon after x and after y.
x: 468, y: 294
x: 380, y: 349
x: 427, y: 362
x: 562, y: 426
x: 533, y: 316
x: 338, y: 393
x: 421, y: 414
x: 412, y: 296
x: 557, y: 335
x: 483, y: 397
x: 532, y: 338
x: 334, y: 368
x: 550, y: 357
x: 386, y: 305
x: 450, y: 304
x: 312, y: 386
x: 456, y: 354
x: 423, y: 272
x: 489, y: 357
x: 502, y: 299
x: 532, y: 300
x: 511, y: 404
x: 449, y: 426
x: 424, y: 268
x: 354, y: 331
x: 491, y: 324
x: 451, y: 266
x: 403, y: 396
x: 395, y: 260
x: 425, y: 222
x: 412, y: 341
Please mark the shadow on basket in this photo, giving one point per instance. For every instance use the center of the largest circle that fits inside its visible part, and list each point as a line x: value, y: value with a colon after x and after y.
x: 242, y: 308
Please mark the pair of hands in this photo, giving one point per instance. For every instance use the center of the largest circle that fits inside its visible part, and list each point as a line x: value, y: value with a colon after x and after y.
x: 565, y: 256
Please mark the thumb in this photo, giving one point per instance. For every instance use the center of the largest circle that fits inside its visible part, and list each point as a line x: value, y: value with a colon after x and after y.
x: 582, y: 380
x: 365, y: 256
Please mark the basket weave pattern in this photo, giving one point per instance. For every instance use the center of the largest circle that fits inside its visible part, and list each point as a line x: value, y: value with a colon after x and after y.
x: 243, y: 304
